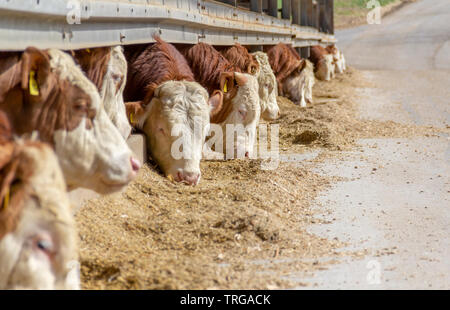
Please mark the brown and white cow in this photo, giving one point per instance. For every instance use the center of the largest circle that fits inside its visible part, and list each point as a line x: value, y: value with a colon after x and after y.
x: 170, y: 107
x: 239, y: 108
x: 44, y: 91
x: 338, y: 58
x: 255, y: 65
x: 294, y: 75
x: 38, y: 240
x: 106, y: 67
x: 323, y: 61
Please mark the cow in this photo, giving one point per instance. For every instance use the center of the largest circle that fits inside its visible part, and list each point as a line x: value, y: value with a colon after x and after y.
x: 106, y: 67
x: 294, y: 74
x: 239, y: 106
x: 323, y: 63
x: 338, y: 58
x: 38, y: 239
x: 44, y: 91
x: 165, y: 102
x: 260, y: 68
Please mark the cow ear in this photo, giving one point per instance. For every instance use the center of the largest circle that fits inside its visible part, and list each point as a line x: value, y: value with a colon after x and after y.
x: 226, y: 82
x: 35, y: 70
x: 215, y: 102
x: 301, y: 65
x: 134, y: 111
x: 240, y: 78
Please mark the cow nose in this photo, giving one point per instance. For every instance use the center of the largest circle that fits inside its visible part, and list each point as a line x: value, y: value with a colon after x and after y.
x: 247, y: 155
x: 190, y: 178
x: 135, y: 164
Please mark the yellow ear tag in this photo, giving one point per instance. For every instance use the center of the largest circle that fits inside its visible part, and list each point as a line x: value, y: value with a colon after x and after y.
x: 170, y: 177
x: 6, y: 200
x: 131, y: 118
x: 88, y: 50
x: 225, y: 87
x: 34, y: 89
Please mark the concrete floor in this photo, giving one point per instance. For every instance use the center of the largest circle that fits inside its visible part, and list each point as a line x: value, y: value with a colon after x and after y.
x: 396, y: 204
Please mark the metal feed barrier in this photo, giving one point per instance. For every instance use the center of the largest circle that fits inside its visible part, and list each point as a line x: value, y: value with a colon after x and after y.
x: 74, y: 24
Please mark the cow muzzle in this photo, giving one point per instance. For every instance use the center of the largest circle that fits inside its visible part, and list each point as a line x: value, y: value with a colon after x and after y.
x: 187, y: 177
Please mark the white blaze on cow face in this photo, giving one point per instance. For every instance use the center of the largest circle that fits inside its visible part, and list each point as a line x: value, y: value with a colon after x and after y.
x: 176, y: 122
x: 325, y: 68
x: 268, y: 91
x: 112, y: 91
x: 246, y: 112
x: 98, y: 157
x: 39, y: 253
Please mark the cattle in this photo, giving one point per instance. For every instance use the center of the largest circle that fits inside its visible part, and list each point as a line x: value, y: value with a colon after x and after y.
x: 44, y: 91
x: 268, y: 89
x: 260, y: 68
x: 106, y: 67
x: 239, y: 107
x: 165, y: 102
x: 38, y: 240
x: 323, y: 63
x: 294, y: 74
x: 338, y: 58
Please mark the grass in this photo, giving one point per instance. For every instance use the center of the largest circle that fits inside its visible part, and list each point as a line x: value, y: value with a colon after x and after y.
x: 361, y: 4
x: 353, y: 12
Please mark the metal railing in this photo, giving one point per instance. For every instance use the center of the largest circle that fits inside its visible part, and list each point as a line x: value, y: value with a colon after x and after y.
x: 73, y: 24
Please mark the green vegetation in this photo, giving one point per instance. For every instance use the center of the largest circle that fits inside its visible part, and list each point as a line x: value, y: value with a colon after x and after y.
x: 356, y: 3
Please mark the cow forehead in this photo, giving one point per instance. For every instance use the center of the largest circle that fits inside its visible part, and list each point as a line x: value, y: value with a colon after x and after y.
x: 183, y: 101
x: 64, y: 65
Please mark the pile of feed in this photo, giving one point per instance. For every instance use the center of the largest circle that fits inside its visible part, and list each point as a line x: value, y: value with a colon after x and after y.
x: 242, y: 227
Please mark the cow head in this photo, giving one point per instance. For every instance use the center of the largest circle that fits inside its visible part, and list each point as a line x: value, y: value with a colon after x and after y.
x: 325, y: 68
x: 298, y: 85
x: 112, y: 91
x: 339, y: 61
x: 175, y: 123
x: 241, y: 110
x: 38, y: 246
x: 50, y: 94
x: 106, y: 67
x: 268, y: 89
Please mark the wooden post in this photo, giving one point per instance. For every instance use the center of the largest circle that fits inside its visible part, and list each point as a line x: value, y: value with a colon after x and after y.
x: 315, y: 15
x: 322, y: 16
x: 256, y: 6
x: 305, y: 10
x: 273, y: 8
x: 331, y: 8
x: 286, y: 6
x: 296, y: 18
x: 304, y: 52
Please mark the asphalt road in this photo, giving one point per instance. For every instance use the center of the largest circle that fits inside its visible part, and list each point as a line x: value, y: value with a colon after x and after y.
x: 395, y: 206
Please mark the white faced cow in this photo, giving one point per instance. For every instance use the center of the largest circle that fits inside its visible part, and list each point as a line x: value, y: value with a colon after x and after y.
x: 45, y: 91
x: 106, y: 67
x: 38, y: 240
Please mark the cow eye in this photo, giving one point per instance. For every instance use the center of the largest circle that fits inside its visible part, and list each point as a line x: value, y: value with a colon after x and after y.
x: 80, y: 105
x: 161, y: 131
x: 44, y: 244
x: 243, y: 113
